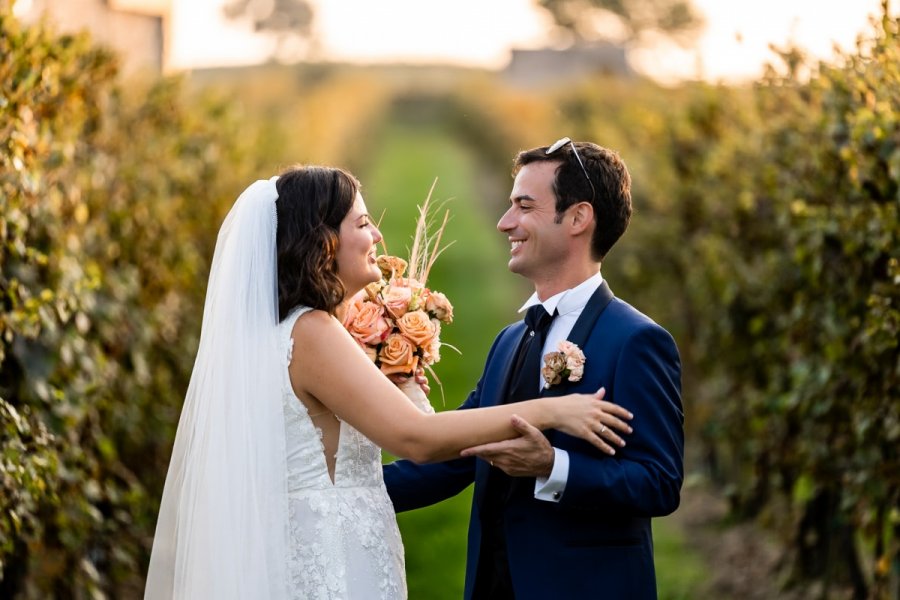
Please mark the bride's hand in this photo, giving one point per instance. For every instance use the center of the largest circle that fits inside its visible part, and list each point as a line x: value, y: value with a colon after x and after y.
x: 419, y: 377
x: 591, y: 418
x: 414, y: 389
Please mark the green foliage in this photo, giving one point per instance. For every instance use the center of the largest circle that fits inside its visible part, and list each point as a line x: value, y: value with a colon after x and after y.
x: 765, y: 238
x: 769, y: 242
x: 680, y: 573
x: 105, y: 235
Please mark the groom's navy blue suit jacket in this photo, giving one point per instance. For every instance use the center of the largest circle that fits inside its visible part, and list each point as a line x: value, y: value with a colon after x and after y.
x: 596, y: 541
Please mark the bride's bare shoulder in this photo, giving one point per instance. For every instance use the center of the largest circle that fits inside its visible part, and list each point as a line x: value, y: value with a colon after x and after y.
x: 314, y: 325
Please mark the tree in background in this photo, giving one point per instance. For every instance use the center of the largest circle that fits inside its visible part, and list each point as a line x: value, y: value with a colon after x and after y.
x: 289, y: 22
x: 628, y: 22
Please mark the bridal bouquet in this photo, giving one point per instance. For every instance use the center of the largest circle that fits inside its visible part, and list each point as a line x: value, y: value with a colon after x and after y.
x: 397, y: 320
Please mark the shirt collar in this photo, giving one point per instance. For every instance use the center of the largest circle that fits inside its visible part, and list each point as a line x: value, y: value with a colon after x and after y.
x: 567, y: 300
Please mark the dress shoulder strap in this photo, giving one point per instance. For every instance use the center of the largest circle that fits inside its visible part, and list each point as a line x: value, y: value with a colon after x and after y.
x: 286, y: 327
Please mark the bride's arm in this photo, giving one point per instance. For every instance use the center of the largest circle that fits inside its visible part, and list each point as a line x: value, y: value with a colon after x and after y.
x: 328, y: 365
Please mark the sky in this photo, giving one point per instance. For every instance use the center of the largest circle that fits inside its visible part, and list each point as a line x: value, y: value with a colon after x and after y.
x: 734, y: 44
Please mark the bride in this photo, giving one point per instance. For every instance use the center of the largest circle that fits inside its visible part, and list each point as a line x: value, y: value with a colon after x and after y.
x: 275, y: 487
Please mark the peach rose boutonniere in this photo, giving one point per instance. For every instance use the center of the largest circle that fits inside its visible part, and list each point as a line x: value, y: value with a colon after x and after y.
x: 397, y: 319
x: 566, y: 364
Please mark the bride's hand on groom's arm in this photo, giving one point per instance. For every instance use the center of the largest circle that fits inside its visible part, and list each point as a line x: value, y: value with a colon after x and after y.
x: 529, y: 455
x: 419, y: 377
x: 600, y: 426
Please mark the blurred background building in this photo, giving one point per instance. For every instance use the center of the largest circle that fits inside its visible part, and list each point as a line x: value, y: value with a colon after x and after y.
x: 137, y: 30
x: 543, y: 66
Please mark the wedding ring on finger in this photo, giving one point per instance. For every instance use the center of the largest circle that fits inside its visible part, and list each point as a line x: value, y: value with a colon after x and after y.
x: 602, y: 428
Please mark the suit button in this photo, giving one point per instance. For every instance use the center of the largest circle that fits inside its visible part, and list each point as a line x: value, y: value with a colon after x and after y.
x: 556, y: 495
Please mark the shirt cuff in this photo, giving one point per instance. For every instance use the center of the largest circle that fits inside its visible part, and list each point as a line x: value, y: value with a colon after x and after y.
x: 551, y: 488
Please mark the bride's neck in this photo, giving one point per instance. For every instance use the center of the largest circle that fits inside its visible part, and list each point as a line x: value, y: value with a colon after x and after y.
x: 341, y: 310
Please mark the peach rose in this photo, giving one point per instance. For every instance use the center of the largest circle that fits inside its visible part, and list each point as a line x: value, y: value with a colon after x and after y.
x: 438, y: 305
x: 396, y: 300
x: 398, y: 355
x: 574, y: 359
x: 576, y: 373
x: 417, y: 327
x: 353, y: 309
x: 391, y: 266
x: 432, y: 352
x: 368, y: 325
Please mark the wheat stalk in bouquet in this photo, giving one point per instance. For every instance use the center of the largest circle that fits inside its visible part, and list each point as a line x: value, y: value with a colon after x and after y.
x: 397, y: 320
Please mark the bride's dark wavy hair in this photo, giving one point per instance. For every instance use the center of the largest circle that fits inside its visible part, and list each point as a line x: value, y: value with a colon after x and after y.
x: 312, y: 202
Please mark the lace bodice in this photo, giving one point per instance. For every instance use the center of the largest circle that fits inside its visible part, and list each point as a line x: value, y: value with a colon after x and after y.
x: 344, y: 539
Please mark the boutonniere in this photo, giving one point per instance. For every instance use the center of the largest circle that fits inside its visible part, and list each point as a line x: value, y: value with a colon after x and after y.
x: 566, y: 364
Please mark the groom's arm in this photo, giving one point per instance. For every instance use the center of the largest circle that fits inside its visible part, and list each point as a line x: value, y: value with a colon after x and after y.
x: 644, y: 478
x: 412, y: 485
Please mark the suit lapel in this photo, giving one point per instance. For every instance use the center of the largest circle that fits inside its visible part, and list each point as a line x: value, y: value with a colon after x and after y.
x: 598, y: 301
x: 516, y: 336
x: 583, y: 327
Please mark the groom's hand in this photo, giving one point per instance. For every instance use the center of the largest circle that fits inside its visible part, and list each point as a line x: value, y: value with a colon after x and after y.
x: 529, y: 455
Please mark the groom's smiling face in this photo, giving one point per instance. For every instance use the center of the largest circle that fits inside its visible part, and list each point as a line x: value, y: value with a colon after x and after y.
x: 538, y: 243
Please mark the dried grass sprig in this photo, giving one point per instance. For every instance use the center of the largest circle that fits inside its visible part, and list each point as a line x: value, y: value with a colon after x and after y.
x: 427, y: 239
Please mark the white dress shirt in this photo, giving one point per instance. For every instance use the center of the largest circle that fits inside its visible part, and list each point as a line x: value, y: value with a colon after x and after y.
x: 569, y: 304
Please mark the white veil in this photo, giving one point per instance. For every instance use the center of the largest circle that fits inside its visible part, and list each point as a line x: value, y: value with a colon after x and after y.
x: 222, y: 528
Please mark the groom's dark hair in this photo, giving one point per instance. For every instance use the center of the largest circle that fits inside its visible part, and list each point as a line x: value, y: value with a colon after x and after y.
x: 312, y: 202
x: 610, y: 195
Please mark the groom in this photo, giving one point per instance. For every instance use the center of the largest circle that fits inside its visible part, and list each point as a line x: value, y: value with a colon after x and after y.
x: 552, y: 516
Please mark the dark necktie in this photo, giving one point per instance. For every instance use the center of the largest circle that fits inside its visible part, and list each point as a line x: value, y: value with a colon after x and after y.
x: 524, y: 377
x: 492, y: 581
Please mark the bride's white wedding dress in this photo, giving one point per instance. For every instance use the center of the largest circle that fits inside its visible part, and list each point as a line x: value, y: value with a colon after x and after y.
x: 343, y: 541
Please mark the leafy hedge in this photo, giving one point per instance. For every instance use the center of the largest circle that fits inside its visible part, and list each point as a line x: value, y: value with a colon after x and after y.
x: 772, y: 247
x: 801, y: 252
x: 108, y: 196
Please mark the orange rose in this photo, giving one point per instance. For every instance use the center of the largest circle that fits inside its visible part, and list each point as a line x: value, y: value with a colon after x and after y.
x: 417, y: 327
x: 438, y: 305
x: 396, y: 300
x: 398, y: 355
x: 368, y: 325
x: 352, y: 309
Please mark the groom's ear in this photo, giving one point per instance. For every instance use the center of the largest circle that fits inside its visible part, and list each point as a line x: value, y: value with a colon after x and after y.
x: 580, y: 218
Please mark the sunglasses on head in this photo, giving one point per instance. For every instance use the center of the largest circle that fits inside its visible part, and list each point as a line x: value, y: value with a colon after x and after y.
x: 562, y: 142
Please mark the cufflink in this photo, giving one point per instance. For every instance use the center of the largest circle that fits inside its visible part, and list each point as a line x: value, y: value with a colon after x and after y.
x: 556, y: 495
